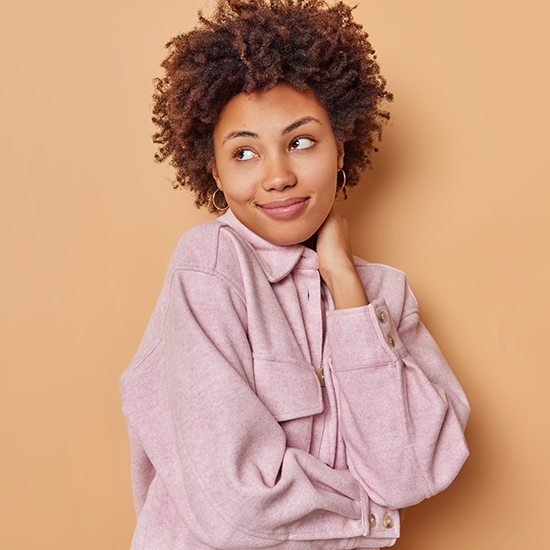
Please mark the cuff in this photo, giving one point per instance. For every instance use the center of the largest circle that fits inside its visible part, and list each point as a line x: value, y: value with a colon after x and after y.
x: 363, y: 337
x: 381, y: 523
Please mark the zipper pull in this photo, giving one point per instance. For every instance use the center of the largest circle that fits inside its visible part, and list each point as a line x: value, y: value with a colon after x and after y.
x: 321, y: 375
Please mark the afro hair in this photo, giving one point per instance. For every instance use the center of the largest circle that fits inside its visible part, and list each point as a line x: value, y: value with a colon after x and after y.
x: 250, y: 45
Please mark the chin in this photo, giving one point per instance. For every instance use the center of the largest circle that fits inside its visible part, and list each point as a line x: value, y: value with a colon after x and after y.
x: 301, y: 238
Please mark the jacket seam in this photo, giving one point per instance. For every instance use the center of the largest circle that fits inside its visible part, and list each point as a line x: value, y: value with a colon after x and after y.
x: 397, y: 361
x: 360, y: 366
x: 157, y: 343
x: 228, y: 521
x: 405, y: 412
x: 407, y: 315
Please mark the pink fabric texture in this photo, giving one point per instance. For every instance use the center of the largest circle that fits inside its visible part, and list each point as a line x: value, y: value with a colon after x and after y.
x: 234, y: 442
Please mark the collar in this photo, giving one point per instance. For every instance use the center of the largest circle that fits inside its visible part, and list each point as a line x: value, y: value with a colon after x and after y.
x: 277, y: 261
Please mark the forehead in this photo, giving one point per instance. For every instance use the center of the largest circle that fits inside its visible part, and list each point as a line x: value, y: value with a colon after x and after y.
x: 265, y: 111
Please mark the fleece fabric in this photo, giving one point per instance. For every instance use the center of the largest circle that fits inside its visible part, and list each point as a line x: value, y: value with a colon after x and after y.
x: 261, y: 417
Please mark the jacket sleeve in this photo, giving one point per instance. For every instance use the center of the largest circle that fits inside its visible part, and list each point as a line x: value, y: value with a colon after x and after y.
x: 402, y: 412
x: 234, y: 482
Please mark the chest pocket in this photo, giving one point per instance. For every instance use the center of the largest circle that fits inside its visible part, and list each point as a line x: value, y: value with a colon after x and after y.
x: 288, y: 388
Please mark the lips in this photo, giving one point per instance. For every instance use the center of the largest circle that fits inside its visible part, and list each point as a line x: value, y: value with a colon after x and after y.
x: 285, y: 208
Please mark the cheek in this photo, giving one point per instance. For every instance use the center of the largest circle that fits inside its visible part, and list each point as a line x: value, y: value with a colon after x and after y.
x: 324, y: 178
x: 238, y: 188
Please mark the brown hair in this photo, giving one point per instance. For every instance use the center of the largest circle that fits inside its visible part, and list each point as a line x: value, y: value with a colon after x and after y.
x: 254, y: 44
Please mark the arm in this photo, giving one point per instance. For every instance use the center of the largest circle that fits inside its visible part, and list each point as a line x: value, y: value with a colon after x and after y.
x: 234, y: 482
x: 242, y: 480
x: 401, y: 409
x: 336, y: 264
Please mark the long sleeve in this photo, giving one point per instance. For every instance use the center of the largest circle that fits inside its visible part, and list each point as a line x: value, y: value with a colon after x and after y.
x: 234, y: 482
x: 402, y: 412
x: 224, y: 406
x: 237, y: 469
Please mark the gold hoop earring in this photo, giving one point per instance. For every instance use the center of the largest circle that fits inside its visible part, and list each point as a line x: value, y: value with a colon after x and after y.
x: 214, y: 201
x: 341, y: 187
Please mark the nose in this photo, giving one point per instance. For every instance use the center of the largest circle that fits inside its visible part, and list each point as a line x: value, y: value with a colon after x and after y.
x: 278, y: 173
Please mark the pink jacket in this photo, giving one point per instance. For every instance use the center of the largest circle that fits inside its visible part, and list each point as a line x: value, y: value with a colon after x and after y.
x: 235, y: 443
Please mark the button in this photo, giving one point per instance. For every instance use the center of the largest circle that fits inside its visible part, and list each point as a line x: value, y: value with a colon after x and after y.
x: 382, y: 317
x: 372, y: 520
x: 388, y: 521
x: 321, y: 375
x: 390, y: 340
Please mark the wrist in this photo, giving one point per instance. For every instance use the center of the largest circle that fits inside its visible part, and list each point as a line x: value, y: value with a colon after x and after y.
x: 336, y: 268
x: 346, y: 289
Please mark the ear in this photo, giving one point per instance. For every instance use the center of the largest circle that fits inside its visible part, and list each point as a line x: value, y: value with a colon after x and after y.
x: 215, y: 175
x: 341, y: 154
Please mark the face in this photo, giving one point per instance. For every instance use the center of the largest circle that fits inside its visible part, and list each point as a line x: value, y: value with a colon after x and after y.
x: 277, y: 161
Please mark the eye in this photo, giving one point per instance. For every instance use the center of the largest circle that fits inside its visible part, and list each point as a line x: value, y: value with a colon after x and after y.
x: 302, y: 143
x: 244, y: 154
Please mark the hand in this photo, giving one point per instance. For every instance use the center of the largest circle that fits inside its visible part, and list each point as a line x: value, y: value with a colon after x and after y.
x: 336, y: 264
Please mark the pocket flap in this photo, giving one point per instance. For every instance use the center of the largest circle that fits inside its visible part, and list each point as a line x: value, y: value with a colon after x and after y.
x: 288, y: 388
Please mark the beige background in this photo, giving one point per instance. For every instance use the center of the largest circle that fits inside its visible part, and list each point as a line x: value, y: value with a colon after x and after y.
x: 458, y: 199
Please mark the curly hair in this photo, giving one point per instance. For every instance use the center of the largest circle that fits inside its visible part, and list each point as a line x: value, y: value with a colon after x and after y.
x: 250, y: 45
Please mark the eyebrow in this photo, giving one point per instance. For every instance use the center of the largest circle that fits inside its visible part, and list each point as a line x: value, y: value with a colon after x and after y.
x: 242, y: 133
x: 287, y: 130
x: 300, y: 122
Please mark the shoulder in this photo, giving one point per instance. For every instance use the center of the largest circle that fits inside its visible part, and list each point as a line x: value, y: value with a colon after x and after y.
x: 383, y: 281
x: 206, y: 262
x: 197, y: 248
x: 205, y: 246
x: 215, y: 248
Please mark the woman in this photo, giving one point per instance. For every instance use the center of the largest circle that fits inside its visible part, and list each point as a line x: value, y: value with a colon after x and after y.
x: 285, y: 394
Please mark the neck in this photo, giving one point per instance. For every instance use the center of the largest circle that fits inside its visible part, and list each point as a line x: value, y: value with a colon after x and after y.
x: 311, y: 242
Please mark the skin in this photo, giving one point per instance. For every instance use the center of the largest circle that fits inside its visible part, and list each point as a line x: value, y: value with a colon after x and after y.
x: 276, y: 160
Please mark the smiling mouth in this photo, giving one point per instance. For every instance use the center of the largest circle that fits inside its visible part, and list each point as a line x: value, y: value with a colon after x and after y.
x: 285, y: 208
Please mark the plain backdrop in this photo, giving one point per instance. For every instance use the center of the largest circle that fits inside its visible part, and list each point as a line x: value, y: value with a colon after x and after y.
x: 458, y: 198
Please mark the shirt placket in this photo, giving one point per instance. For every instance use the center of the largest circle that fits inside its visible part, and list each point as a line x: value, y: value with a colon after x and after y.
x: 310, y: 292
x: 328, y: 441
